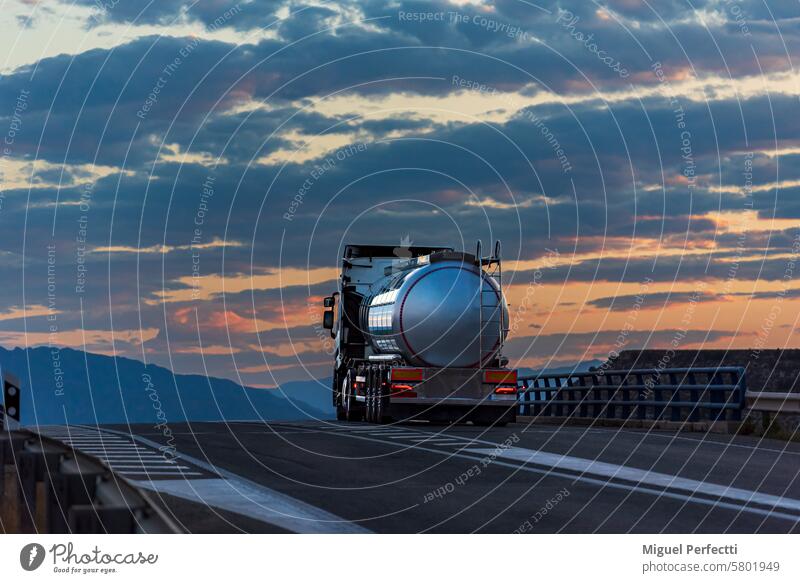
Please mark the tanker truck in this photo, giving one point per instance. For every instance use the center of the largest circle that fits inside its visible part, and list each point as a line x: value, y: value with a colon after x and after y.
x: 419, y: 333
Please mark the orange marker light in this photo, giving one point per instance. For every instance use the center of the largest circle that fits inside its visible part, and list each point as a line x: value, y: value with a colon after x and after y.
x: 407, y: 374
x: 500, y: 376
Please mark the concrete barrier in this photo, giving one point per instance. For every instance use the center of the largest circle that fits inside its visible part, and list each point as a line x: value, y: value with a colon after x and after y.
x: 773, y: 414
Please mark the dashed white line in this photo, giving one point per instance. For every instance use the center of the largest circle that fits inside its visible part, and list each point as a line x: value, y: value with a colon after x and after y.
x: 158, y: 473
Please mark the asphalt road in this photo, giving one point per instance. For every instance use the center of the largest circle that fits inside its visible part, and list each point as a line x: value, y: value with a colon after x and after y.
x: 416, y: 477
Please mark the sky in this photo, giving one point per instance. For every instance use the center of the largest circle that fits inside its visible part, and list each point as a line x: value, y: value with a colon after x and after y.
x: 179, y: 178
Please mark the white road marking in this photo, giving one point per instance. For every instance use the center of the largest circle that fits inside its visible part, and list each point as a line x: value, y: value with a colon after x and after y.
x: 93, y: 440
x: 355, y: 429
x: 96, y: 444
x: 124, y: 447
x: 124, y: 467
x: 65, y: 437
x: 143, y: 457
x: 139, y: 463
x: 93, y: 451
x: 158, y: 473
x: 246, y: 497
x: 252, y: 500
x: 640, y: 476
x: 97, y: 447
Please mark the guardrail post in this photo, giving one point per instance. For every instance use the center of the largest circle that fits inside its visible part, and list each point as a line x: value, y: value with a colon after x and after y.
x: 641, y: 396
x: 583, y: 407
x: 37, y: 463
x: 626, y: 393
x: 112, y: 510
x: 526, y: 398
x: 694, y: 397
x: 717, y: 397
x: 611, y: 395
x: 547, y: 409
x: 577, y: 397
x: 11, y: 444
x: 741, y: 389
x: 567, y: 390
x: 74, y: 484
x: 674, y: 411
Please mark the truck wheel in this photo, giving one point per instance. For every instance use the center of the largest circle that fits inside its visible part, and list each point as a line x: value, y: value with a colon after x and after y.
x: 338, y: 398
x: 382, y: 404
x: 378, y: 407
x: 370, y: 405
x: 373, y: 395
x: 352, y: 412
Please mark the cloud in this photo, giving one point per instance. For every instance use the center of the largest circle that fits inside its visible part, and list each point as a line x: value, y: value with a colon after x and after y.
x: 543, y: 350
x: 162, y: 169
x: 654, y: 301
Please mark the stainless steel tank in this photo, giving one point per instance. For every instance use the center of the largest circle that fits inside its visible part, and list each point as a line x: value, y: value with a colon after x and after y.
x: 441, y: 311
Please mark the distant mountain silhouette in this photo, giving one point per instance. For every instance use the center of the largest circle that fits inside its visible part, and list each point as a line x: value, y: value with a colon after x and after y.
x: 579, y: 367
x: 120, y: 390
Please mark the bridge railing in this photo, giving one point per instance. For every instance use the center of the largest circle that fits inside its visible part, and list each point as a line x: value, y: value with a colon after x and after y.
x: 674, y: 394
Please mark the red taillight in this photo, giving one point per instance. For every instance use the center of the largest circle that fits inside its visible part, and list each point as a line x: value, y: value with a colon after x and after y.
x: 506, y: 390
x: 404, y: 391
x: 506, y: 377
x: 407, y: 374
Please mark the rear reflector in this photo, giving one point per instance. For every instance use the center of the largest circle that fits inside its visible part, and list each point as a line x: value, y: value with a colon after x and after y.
x: 506, y: 390
x: 402, y: 391
x: 500, y: 376
x: 407, y: 374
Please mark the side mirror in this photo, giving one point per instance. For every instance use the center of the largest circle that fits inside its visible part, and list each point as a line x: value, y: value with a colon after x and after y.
x: 329, y: 301
x: 327, y: 320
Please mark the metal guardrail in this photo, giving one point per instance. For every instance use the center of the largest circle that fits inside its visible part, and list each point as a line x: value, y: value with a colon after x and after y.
x: 676, y: 394
x: 47, y: 487
x: 774, y: 402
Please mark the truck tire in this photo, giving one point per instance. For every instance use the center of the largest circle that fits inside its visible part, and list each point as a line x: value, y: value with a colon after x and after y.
x: 382, y: 403
x: 378, y: 400
x: 370, y: 407
x: 337, y: 388
x: 373, y: 386
x: 352, y: 412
